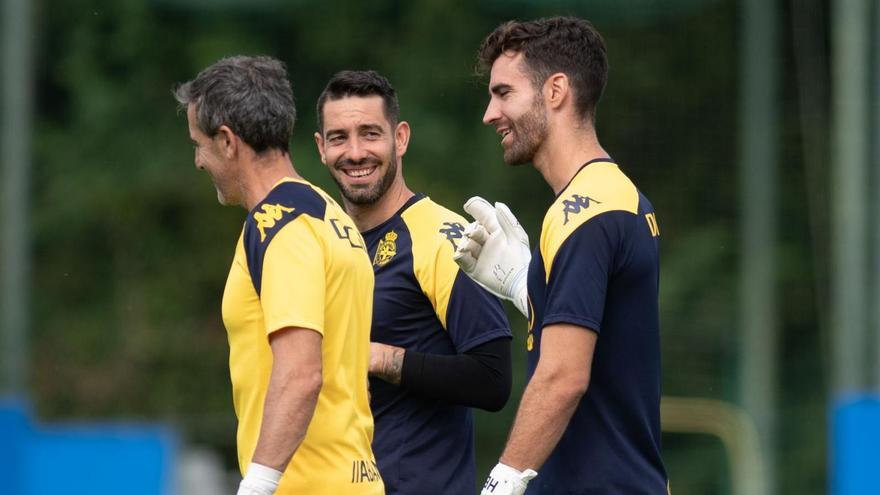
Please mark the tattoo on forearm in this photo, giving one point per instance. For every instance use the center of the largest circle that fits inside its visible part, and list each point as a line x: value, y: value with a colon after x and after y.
x: 392, y: 364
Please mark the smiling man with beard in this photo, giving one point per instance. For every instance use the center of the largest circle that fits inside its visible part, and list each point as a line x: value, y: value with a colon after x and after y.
x: 589, y: 419
x: 440, y: 343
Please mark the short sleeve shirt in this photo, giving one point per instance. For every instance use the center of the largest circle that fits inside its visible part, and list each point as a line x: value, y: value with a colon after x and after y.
x: 300, y: 262
x: 423, y: 302
x: 597, y: 267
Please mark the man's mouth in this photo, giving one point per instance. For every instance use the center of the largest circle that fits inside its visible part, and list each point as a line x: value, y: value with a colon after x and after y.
x: 504, y: 133
x: 358, y: 173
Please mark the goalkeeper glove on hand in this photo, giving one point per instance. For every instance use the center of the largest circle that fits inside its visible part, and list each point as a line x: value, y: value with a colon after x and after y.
x: 259, y: 480
x: 495, y: 252
x: 505, y: 480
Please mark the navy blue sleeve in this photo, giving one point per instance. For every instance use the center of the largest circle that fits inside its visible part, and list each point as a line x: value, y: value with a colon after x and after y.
x: 579, y: 274
x: 474, y: 316
x: 480, y: 377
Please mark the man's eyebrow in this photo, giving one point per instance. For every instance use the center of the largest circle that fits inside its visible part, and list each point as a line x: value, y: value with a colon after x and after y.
x: 498, y: 88
x: 334, y: 131
x: 370, y: 127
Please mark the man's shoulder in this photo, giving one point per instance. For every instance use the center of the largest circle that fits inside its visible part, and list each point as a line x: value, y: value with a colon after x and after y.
x: 598, y: 188
x: 285, y: 203
x: 302, y: 196
x: 433, y: 226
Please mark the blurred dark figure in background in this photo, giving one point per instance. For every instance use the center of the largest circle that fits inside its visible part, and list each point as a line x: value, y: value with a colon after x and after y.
x: 440, y: 343
x: 297, y: 301
x: 589, y: 419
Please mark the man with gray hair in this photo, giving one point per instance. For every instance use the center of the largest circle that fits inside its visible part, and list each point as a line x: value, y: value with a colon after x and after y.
x: 297, y: 304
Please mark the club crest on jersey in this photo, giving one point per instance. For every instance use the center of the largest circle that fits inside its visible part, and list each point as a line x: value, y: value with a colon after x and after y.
x: 386, y: 250
x: 453, y: 231
x: 267, y: 218
x: 576, y: 204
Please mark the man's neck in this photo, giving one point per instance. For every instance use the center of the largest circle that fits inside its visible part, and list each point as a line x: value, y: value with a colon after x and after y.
x: 262, y: 174
x: 368, y: 216
x: 564, y: 152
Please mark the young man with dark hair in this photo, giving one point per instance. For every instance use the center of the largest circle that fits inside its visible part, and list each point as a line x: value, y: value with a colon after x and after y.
x: 589, y: 419
x: 440, y: 343
x: 297, y: 300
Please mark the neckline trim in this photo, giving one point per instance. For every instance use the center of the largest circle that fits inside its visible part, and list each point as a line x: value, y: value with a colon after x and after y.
x: 594, y: 160
x: 411, y: 201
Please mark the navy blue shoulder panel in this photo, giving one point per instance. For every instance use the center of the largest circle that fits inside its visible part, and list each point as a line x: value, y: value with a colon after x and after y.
x: 284, y: 203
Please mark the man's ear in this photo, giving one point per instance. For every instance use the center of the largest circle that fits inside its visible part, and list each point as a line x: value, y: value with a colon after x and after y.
x: 556, y: 90
x: 401, y: 137
x: 319, y: 142
x: 227, y: 141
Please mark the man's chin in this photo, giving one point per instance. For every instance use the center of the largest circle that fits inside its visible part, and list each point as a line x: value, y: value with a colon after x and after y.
x: 360, y: 198
x: 224, y: 200
x: 361, y: 194
x: 517, y: 159
x: 365, y: 192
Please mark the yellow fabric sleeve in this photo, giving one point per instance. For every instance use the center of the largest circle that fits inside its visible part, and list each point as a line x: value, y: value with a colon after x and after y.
x: 430, y: 227
x: 293, y: 284
x: 598, y: 188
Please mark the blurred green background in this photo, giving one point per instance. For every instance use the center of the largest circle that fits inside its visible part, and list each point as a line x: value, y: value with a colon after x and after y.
x: 129, y: 249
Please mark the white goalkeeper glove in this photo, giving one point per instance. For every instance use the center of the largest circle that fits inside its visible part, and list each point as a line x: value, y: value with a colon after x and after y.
x: 505, y: 480
x: 495, y: 252
x: 259, y: 480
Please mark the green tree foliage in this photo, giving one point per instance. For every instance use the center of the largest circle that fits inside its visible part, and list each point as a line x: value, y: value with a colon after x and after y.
x: 132, y: 250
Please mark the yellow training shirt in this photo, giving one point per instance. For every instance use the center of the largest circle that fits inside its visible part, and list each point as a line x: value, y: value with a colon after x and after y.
x: 300, y: 262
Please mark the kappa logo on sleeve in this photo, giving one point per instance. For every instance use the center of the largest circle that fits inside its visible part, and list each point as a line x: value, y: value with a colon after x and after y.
x: 453, y: 231
x: 270, y: 215
x: 576, y: 204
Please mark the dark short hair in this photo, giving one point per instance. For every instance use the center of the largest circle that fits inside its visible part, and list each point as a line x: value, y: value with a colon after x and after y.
x: 250, y: 95
x: 360, y: 83
x: 569, y: 45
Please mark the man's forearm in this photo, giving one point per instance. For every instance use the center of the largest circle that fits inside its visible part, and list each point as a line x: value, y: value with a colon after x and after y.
x: 480, y: 377
x: 288, y: 410
x: 386, y: 362
x: 560, y: 381
x: 544, y: 412
x: 291, y: 396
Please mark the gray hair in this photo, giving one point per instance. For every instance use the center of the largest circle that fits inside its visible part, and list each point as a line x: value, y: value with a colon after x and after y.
x: 250, y: 95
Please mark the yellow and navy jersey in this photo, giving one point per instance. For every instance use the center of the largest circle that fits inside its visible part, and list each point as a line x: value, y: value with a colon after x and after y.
x: 424, y: 303
x: 597, y: 266
x: 300, y: 262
